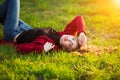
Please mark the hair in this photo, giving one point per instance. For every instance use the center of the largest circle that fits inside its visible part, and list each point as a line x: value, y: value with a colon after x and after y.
x: 30, y: 35
x: 93, y: 49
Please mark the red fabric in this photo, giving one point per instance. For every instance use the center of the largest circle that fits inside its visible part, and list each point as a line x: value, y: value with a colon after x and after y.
x: 77, y: 25
x: 4, y: 42
x: 35, y: 46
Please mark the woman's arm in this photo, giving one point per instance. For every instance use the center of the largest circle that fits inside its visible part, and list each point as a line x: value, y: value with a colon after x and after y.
x: 40, y: 44
x: 76, y: 26
x: 26, y: 48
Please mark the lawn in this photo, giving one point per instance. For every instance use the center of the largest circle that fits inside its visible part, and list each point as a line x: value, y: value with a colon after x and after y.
x: 102, y: 19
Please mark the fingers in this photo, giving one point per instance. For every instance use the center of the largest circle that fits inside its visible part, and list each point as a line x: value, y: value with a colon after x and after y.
x: 48, y: 46
x: 82, y: 39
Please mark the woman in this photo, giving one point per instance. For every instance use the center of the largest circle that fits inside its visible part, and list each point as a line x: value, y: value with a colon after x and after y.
x: 38, y: 40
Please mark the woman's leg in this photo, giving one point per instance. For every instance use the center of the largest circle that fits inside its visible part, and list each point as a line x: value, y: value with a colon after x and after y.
x: 3, y: 11
x: 12, y: 19
x: 23, y: 26
x: 13, y: 25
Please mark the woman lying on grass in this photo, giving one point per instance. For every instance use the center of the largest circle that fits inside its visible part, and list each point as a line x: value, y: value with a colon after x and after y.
x: 38, y: 40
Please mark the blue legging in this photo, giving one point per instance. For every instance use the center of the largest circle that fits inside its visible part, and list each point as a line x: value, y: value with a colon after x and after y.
x: 9, y: 17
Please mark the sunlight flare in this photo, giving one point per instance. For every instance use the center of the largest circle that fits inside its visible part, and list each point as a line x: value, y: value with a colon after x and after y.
x: 117, y: 3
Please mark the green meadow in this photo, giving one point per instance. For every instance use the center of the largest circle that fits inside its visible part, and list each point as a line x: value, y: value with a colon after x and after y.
x: 102, y: 18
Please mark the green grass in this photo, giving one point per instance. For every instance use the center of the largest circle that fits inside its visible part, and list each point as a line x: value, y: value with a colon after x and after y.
x: 102, y: 19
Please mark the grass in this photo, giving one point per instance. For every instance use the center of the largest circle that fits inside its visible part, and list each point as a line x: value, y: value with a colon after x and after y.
x: 102, y: 27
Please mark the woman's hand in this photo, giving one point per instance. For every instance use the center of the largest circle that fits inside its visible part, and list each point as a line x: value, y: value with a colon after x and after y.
x: 82, y: 39
x: 48, y: 46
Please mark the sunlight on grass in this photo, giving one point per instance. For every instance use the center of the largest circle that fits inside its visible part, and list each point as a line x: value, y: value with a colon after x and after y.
x: 116, y: 3
x: 113, y: 7
x: 102, y: 19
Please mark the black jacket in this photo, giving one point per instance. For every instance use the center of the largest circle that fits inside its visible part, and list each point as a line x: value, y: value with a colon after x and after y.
x: 29, y: 35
